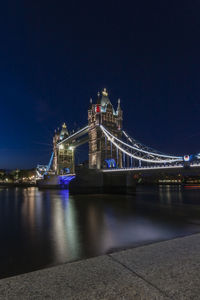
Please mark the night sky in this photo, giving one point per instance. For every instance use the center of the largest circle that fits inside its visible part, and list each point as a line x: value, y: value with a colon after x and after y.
x: 55, y: 55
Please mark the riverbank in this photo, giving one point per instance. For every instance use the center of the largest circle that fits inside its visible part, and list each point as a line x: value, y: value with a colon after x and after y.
x: 12, y: 184
x: 164, y: 270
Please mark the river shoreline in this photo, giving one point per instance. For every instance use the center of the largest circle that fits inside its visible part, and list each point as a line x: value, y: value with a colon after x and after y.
x: 11, y: 184
x: 162, y: 270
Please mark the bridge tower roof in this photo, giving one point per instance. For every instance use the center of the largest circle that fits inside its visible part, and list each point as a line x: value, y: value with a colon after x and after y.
x: 104, y: 99
x: 64, y: 132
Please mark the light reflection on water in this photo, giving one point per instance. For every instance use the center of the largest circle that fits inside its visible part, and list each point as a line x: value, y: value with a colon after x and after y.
x: 44, y: 228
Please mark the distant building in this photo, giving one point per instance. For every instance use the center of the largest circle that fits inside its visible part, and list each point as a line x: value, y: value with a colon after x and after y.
x: 2, y: 174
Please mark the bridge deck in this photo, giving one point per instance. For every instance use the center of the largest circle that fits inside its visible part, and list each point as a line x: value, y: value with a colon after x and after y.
x: 151, y: 168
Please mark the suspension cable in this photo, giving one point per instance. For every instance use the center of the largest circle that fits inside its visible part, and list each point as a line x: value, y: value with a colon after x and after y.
x: 132, y: 155
x: 139, y: 149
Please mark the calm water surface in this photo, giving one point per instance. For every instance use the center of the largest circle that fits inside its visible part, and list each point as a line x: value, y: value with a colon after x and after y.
x: 43, y: 228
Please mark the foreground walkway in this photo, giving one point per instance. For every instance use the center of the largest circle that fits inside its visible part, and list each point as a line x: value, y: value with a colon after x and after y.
x: 165, y: 270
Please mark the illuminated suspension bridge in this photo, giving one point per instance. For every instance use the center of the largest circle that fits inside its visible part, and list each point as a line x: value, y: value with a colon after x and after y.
x: 111, y: 149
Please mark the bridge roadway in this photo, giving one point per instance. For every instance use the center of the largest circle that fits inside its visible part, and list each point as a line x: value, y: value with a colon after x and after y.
x: 153, y: 169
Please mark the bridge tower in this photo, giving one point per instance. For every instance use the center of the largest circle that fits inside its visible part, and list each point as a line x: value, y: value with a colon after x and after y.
x: 101, y: 151
x: 63, y: 153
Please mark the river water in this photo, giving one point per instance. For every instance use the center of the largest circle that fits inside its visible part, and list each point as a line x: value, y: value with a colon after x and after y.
x: 40, y: 229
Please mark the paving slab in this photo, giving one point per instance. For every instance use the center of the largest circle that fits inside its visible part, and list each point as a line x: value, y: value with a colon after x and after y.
x: 164, y: 270
x: 96, y: 278
x: 172, y: 266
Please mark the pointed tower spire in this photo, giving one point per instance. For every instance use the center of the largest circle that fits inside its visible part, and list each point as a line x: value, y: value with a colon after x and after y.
x: 119, y: 115
x: 118, y: 106
x: 90, y: 106
x: 104, y: 92
x: 64, y: 132
x: 118, y: 102
x: 98, y: 98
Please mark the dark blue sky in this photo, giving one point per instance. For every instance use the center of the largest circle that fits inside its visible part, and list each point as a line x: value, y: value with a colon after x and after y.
x: 55, y: 55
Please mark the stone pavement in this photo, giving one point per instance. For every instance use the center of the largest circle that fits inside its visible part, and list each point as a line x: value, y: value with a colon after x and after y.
x: 164, y: 270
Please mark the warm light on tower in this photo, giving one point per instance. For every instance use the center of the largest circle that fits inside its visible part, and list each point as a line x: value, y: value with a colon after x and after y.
x: 105, y: 93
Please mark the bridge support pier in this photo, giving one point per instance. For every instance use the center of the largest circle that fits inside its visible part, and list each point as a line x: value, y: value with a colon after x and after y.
x: 122, y: 183
x: 90, y: 181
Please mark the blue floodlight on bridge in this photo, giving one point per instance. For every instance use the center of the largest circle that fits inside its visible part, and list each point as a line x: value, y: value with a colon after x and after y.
x: 65, y: 179
x: 50, y: 162
x: 42, y: 170
x: 110, y: 163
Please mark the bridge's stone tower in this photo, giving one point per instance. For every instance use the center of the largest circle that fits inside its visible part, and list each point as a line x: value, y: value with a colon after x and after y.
x: 63, y: 153
x: 100, y: 149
